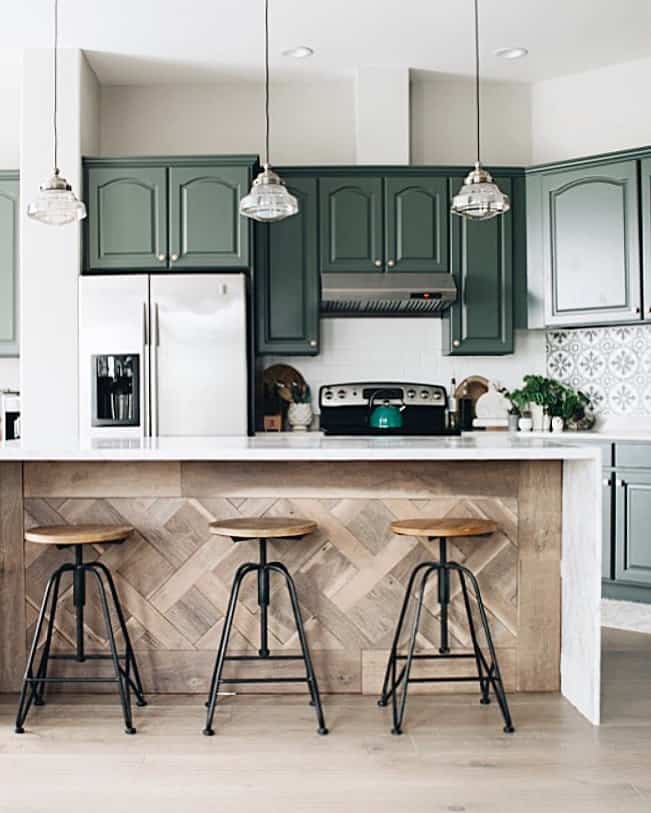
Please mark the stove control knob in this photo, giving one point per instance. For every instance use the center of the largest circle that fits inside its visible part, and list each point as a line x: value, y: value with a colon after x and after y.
x: 341, y: 394
x: 424, y: 394
x: 411, y: 394
x: 328, y: 395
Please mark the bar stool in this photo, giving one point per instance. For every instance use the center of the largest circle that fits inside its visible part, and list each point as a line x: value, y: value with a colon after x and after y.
x: 125, y: 668
x: 262, y: 529
x: 488, y: 670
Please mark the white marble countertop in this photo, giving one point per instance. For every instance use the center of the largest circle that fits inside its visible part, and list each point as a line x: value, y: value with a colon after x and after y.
x: 309, y: 446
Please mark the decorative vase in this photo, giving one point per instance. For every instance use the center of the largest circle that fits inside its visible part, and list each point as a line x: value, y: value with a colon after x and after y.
x: 513, y: 422
x: 537, y: 415
x: 299, y: 417
x: 546, y: 423
x: 558, y: 424
x: 525, y: 424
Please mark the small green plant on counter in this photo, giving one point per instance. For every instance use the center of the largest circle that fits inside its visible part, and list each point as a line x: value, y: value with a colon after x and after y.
x: 519, y: 402
x: 555, y: 398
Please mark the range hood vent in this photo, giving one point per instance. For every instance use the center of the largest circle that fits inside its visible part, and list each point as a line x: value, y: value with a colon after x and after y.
x: 386, y: 294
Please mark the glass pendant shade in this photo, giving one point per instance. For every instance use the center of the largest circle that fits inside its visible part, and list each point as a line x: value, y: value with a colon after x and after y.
x: 57, y: 204
x: 480, y: 198
x: 268, y: 200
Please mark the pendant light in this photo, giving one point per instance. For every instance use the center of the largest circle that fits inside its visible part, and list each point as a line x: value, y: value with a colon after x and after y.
x: 56, y: 204
x: 479, y: 198
x: 268, y: 200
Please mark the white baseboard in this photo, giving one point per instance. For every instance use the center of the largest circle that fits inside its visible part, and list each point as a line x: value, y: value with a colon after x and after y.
x: 626, y: 615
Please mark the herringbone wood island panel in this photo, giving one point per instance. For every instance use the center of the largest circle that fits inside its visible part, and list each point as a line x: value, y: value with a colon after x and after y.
x: 174, y: 576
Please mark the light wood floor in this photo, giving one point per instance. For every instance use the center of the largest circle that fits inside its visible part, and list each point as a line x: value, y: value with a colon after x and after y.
x: 267, y: 757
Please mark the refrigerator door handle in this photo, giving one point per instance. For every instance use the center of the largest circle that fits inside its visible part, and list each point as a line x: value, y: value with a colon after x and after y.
x: 154, y: 342
x: 145, y: 371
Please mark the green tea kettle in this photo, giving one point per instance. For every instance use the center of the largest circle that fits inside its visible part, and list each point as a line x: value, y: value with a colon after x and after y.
x: 386, y: 415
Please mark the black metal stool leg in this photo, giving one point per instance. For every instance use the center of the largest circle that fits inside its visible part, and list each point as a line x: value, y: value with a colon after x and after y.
x: 263, y: 600
x: 278, y: 567
x: 444, y: 595
x: 494, y: 674
x: 484, y: 682
x: 400, y: 705
x: 79, y: 600
x: 242, y: 571
x: 123, y: 683
x: 40, y: 689
x: 386, y: 692
x: 27, y: 692
x: 131, y: 663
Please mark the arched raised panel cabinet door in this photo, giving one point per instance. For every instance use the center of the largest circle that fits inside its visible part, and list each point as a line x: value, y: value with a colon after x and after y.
x: 206, y: 229
x: 645, y: 175
x: 350, y: 224
x: 8, y: 264
x: 287, y: 277
x: 417, y: 216
x: 127, y: 218
x: 591, y: 245
x: 480, y: 322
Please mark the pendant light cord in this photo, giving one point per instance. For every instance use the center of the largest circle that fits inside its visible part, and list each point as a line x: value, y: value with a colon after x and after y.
x: 266, y: 79
x: 56, y: 83
x: 477, y: 75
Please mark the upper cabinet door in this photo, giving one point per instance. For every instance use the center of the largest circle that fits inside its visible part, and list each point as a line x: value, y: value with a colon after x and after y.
x: 8, y: 266
x: 591, y: 245
x: 127, y: 218
x: 481, y: 320
x: 645, y: 176
x: 206, y: 229
x: 350, y: 226
x: 416, y: 212
x: 287, y: 278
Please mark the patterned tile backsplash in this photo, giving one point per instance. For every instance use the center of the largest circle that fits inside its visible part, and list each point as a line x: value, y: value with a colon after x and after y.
x: 612, y: 365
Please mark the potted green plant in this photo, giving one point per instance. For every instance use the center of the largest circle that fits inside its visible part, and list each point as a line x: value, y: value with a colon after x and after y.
x: 519, y: 401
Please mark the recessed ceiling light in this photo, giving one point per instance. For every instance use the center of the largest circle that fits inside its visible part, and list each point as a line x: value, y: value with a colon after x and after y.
x: 511, y: 53
x: 300, y: 52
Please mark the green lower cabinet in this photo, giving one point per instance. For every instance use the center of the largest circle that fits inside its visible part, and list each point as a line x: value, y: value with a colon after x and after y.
x: 416, y: 223
x: 205, y: 227
x: 9, y: 188
x: 126, y: 228
x: 633, y: 527
x: 287, y: 277
x: 481, y: 320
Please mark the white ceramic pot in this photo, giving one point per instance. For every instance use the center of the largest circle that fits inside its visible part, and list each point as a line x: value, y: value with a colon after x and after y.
x: 513, y: 423
x: 536, y: 417
x: 299, y: 417
x: 525, y: 424
x: 558, y: 424
x: 546, y: 423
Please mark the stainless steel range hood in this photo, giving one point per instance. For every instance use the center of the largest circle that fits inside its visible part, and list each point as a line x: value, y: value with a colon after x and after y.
x: 386, y: 294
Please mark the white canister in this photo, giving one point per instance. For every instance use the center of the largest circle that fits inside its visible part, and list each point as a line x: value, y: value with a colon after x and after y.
x: 299, y: 417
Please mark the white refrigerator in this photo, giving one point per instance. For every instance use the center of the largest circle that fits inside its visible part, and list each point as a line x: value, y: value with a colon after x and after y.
x: 163, y: 355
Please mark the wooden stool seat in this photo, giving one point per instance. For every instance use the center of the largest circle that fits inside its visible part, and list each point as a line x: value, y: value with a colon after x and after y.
x: 444, y: 527
x: 263, y: 527
x: 78, y: 534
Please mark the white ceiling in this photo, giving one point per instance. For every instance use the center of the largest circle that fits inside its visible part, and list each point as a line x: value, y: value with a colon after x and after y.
x: 161, y: 41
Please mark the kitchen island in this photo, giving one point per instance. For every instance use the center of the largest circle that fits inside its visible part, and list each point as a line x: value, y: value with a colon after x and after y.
x: 539, y: 574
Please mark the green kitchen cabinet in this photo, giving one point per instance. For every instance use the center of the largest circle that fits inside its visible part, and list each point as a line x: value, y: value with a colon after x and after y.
x: 9, y: 189
x: 480, y: 322
x: 206, y: 229
x: 633, y: 521
x: 591, y: 251
x: 416, y: 213
x: 287, y: 277
x: 351, y: 224
x: 645, y: 181
x: 127, y: 218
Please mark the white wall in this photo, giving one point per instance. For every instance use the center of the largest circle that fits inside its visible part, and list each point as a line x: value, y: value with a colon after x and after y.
x: 311, y: 122
x: 593, y: 112
x: 443, y: 121
x: 407, y: 350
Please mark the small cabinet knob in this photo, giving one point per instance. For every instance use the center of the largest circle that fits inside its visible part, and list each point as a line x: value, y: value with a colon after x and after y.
x: 161, y: 257
x: 391, y: 263
x: 456, y: 343
x: 174, y: 257
x: 378, y: 263
x: 312, y: 342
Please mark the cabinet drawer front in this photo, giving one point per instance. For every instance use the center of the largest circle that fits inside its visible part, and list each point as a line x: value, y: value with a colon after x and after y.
x: 206, y: 229
x: 633, y: 455
x: 633, y: 532
x: 350, y: 224
x: 591, y: 245
x: 127, y: 218
x: 416, y: 215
